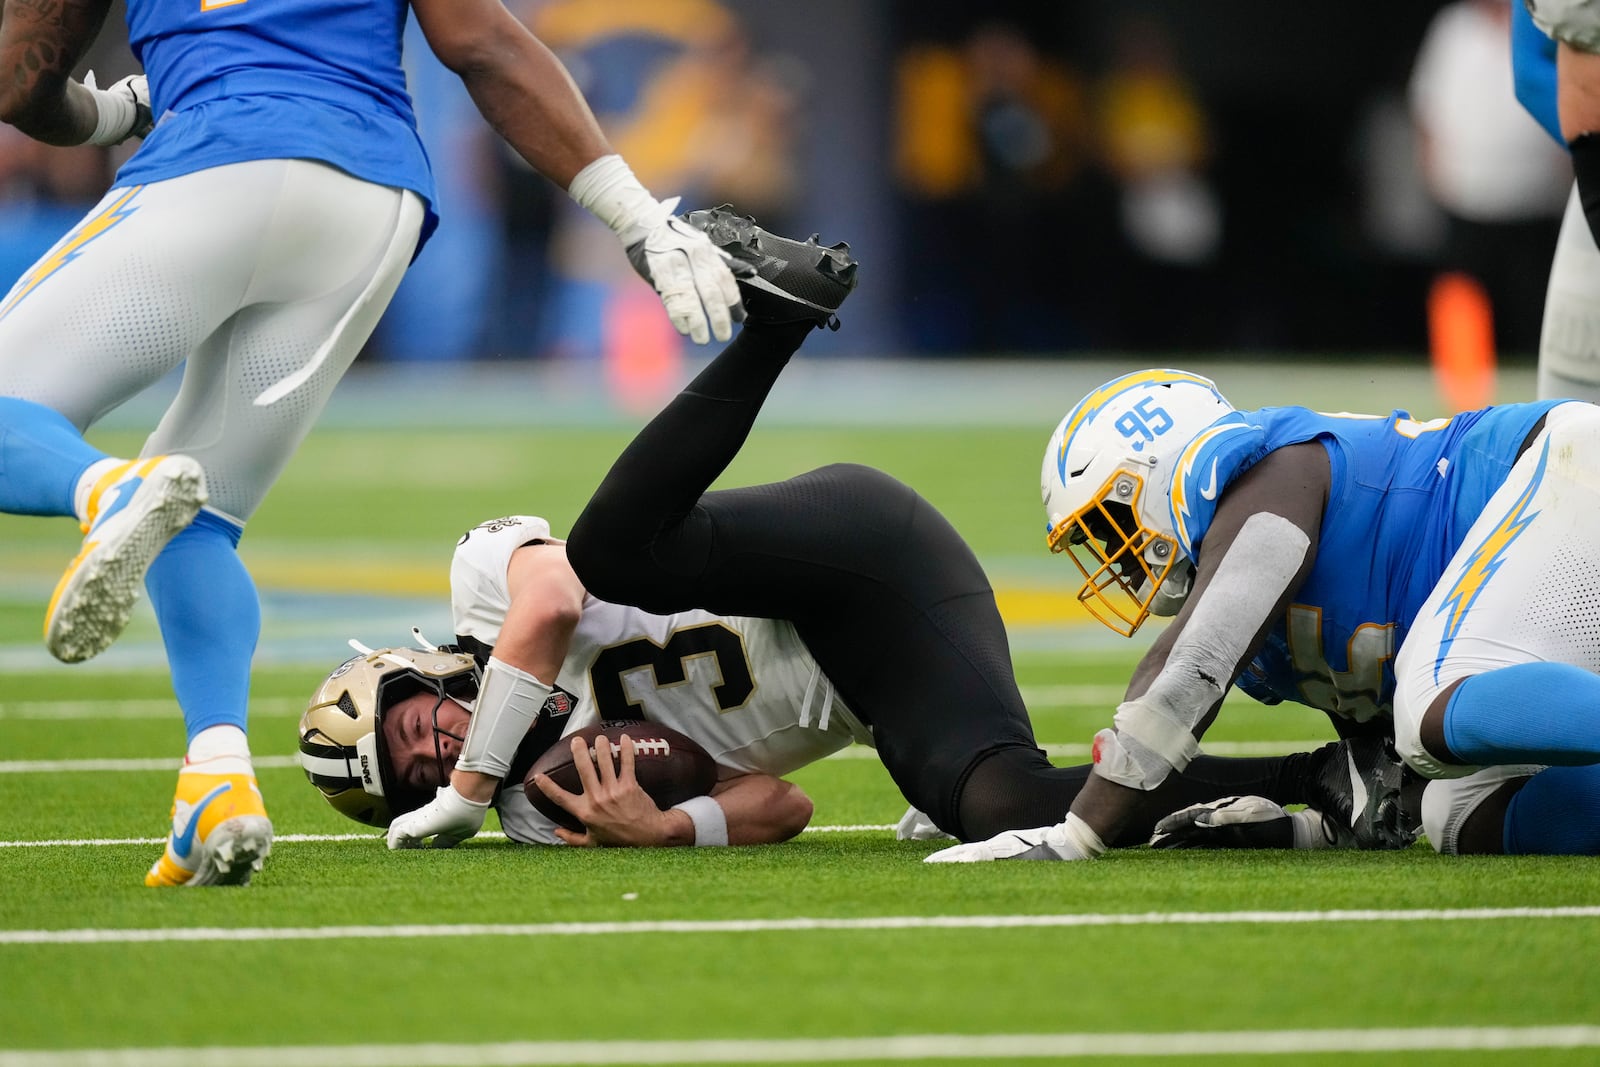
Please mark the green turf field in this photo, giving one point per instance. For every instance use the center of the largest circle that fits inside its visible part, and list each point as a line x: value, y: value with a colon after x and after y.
x: 839, y: 946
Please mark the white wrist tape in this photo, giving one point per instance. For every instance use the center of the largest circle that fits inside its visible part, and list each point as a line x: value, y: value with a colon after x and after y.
x: 509, y: 700
x: 1125, y: 760
x: 1082, y: 837
x: 710, y: 821
x: 1164, y: 731
x: 613, y: 195
x: 115, y: 113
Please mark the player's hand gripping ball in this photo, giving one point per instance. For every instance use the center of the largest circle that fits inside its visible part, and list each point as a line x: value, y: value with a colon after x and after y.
x: 669, y: 766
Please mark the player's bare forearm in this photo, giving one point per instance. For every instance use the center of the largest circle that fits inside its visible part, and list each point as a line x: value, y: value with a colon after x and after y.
x: 761, y: 809
x: 535, y: 106
x: 522, y: 90
x: 1106, y: 806
x: 40, y: 42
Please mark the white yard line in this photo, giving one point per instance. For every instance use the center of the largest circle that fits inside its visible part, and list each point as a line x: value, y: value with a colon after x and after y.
x: 1040, y: 696
x: 854, y: 752
x: 111, y: 935
x: 102, y: 766
x: 282, y: 839
x: 834, y: 1049
x: 1069, y: 750
x: 52, y: 710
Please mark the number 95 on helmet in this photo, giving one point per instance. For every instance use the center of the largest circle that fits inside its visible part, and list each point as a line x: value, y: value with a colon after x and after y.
x: 1107, y: 483
x: 342, y: 746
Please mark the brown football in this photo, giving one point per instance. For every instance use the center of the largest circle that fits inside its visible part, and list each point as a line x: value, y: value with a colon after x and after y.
x: 670, y: 767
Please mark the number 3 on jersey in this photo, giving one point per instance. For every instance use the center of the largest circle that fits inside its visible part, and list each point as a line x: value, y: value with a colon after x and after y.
x: 669, y: 664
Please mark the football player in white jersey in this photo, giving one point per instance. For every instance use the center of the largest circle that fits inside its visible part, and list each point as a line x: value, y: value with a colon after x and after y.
x: 255, y: 237
x: 772, y: 624
x: 746, y: 689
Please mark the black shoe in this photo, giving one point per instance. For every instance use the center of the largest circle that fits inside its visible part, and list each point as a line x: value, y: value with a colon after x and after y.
x: 785, y: 281
x: 1356, y: 783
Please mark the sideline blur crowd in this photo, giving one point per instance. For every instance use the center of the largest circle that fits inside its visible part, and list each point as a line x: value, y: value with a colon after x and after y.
x: 1043, y: 191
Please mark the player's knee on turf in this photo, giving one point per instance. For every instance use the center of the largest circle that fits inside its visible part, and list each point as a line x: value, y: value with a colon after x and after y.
x: 791, y: 810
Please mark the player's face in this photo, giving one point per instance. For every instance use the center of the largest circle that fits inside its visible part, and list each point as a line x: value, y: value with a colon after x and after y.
x: 424, y: 734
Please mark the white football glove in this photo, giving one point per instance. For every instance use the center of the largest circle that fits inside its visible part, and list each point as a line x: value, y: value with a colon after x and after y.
x: 1245, y: 822
x: 449, y: 818
x: 124, y: 109
x: 693, y: 276
x: 915, y: 825
x: 1073, y: 839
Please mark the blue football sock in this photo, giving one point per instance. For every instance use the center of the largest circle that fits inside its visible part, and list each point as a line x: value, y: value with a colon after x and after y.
x: 210, y: 619
x: 1526, y: 713
x: 42, y: 456
x: 1556, y: 814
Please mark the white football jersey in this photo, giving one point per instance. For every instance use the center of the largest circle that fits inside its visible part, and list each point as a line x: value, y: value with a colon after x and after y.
x: 748, y: 690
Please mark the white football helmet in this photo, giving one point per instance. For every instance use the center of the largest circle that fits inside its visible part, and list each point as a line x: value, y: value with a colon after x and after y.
x: 342, y: 748
x: 1107, y: 484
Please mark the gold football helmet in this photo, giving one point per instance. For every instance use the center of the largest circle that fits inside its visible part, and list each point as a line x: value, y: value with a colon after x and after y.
x: 342, y: 748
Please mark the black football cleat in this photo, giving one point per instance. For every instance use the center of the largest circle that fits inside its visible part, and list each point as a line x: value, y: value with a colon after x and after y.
x: 1357, y: 784
x: 786, y: 280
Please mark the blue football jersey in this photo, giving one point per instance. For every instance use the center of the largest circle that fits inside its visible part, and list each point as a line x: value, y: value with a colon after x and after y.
x: 1402, y: 497
x: 237, y: 80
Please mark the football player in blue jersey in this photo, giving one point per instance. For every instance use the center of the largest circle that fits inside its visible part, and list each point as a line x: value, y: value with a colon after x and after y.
x: 256, y: 235
x: 1441, y: 572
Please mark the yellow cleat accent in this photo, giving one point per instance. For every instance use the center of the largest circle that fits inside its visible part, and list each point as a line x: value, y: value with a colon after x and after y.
x: 134, y: 510
x: 220, y: 832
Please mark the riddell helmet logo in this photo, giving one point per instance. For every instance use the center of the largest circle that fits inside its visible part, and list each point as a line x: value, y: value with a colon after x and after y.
x: 366, y: 770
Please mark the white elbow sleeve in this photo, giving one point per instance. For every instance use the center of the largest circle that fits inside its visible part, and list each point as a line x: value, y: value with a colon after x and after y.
x: 509, y: 700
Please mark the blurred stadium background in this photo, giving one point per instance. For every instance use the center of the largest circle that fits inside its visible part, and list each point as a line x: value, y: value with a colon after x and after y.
x: 1061, y: 180
x: 1042, y: 196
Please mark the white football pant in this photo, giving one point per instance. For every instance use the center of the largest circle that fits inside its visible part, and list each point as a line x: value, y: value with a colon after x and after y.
x: 1569, y: 339
x: 1524, y: 587
x: 266, y: 276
